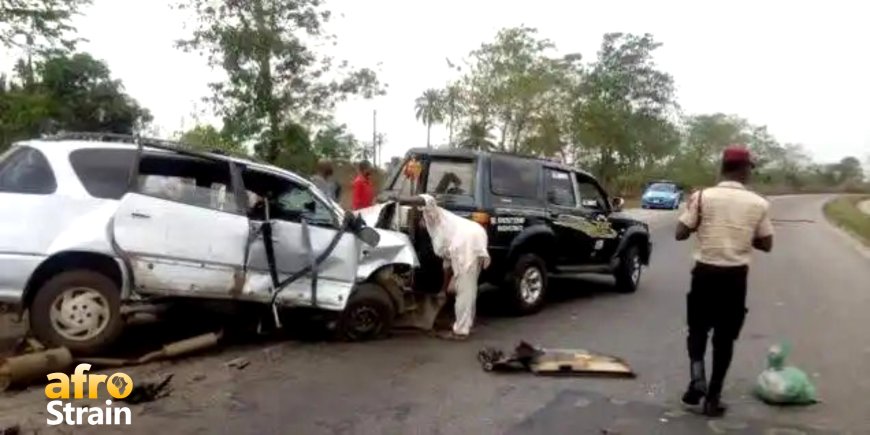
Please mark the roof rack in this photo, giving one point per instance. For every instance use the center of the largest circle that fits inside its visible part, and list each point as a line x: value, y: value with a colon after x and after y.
x: 114, y: 137
x: 137, y: 140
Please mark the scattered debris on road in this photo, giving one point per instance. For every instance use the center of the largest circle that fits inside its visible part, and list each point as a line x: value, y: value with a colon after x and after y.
x: 20, y: 371
x: 172, y: 350
x: 149, y: 391
x: 553, y: 362
x: 238, y: 363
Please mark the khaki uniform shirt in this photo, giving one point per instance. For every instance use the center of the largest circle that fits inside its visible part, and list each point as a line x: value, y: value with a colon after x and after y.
x: 730, y: 218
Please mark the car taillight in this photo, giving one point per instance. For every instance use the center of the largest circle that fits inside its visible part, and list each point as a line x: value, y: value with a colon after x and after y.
x: 481, y: 218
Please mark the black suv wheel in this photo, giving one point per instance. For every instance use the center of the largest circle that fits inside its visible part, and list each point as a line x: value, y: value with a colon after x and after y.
x: 630, y: 267
x: 527, y: 284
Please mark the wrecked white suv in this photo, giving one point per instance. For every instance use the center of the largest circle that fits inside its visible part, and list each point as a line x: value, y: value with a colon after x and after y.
x: 96, y: 227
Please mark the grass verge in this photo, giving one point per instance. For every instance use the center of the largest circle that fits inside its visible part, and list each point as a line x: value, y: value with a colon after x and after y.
x: 844, y: 212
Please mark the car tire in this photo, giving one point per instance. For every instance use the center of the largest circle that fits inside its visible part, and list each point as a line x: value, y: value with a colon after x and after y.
x: 369, y: 314
x: 74, y: 300
x: 527, y: 284
x: 628, y: 272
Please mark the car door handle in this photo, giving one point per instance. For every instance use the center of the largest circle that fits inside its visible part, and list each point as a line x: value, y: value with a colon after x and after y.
x: 140, y: 215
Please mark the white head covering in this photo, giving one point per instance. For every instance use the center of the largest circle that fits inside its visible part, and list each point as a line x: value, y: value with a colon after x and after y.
x: 454, y: 238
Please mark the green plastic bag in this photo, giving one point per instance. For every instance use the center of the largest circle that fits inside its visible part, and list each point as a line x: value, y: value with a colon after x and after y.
x: 784, y: 385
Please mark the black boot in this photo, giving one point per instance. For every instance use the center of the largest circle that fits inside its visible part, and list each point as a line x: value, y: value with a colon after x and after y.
x: 697, y: 386
x: 714, y: 407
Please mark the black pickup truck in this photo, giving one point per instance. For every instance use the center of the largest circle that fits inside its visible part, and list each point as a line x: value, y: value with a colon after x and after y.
x: 543, y: 219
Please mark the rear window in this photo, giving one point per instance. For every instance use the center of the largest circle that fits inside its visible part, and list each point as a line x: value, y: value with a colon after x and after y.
x: 513, y: 177
x: 103, y: 172
x: 451, y: 177
x: 26, y: 170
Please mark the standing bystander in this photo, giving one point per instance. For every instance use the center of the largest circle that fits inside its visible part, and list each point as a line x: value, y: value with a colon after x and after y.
x: 323, y: 180
x: 363, y: 189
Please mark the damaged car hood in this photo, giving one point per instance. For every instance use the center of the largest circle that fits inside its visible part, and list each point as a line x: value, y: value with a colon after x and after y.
x: 393, y: 248
x: 370, y: 214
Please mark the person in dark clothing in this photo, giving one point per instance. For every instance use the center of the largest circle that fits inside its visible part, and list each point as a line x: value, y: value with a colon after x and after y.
x: 729, y: 221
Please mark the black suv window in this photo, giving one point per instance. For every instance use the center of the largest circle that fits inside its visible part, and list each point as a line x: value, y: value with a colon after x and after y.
x: 451, y: 177
x: 560, y: 188
x: 590, y: 195
x: 514, y: 177
x: 104, y: 172
x: 26, y: 170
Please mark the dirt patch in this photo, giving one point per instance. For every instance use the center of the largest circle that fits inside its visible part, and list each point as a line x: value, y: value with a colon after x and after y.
x: 10, y: 332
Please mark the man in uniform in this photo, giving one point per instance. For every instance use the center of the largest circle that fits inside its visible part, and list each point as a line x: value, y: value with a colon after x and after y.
x: 728, y: 221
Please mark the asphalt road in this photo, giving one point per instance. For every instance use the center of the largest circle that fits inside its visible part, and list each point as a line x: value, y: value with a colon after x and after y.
x: 813, y: 290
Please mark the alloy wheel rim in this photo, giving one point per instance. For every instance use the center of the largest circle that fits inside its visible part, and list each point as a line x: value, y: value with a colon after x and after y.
x: 80, y: 314
x: 531, y: 285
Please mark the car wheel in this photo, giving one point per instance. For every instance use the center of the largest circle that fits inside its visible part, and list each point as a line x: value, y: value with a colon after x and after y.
x: 369, y: 314
x: 527, y: 284
x: 79, y: 310
x: 628, y: 273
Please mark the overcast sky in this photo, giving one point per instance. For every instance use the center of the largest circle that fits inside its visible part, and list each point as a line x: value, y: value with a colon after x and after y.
x: 801, y: 68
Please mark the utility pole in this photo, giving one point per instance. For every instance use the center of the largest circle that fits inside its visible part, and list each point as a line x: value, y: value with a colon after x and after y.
x: 374, y: 138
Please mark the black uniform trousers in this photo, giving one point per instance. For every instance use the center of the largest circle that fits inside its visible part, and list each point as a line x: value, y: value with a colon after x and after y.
x: 717, y: 303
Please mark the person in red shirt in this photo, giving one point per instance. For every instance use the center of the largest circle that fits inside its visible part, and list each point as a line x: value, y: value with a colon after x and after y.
x: 363, y: 189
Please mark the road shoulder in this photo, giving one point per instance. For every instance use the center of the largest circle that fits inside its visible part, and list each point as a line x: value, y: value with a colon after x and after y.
x: 847, y: 216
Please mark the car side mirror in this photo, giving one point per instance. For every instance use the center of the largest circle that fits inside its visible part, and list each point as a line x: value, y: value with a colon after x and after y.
x: 365, y: 233
x: 616, y: 203
x: 369, y: 236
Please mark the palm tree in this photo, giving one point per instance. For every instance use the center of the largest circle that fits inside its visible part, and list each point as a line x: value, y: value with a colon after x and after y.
x: 477, y: 136
x: 453, y: 108
x: 429, y: 110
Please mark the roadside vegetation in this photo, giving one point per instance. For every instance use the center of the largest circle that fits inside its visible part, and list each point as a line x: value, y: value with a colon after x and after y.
x: 844, y: 212
x: 614, y: 113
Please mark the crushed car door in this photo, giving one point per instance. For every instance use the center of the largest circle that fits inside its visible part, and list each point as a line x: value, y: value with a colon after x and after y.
x: 301, y: 226
x: 181, y: 227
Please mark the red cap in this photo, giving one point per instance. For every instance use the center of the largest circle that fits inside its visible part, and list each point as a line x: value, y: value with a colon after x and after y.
x: 737, y: 154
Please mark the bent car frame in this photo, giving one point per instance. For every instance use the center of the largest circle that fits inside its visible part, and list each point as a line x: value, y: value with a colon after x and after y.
x: 96, y: 226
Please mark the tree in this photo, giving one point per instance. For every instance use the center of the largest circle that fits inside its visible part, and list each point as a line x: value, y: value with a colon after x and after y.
x: 86, y: 98
x: 849, y: 170
x: 477, y: 136
x: 512, y: 77
x: 69, y: 93
x: 276, y: 83
x: 429, y: 110
x: 452, y: 103
x: 41, y: 27
x: 334, y: 143
x: 22, y: 113
x: 207, y: 138
x: 624, y: 96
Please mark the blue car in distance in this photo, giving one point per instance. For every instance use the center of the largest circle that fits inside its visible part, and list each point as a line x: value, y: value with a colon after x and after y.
x: 662, y: 194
